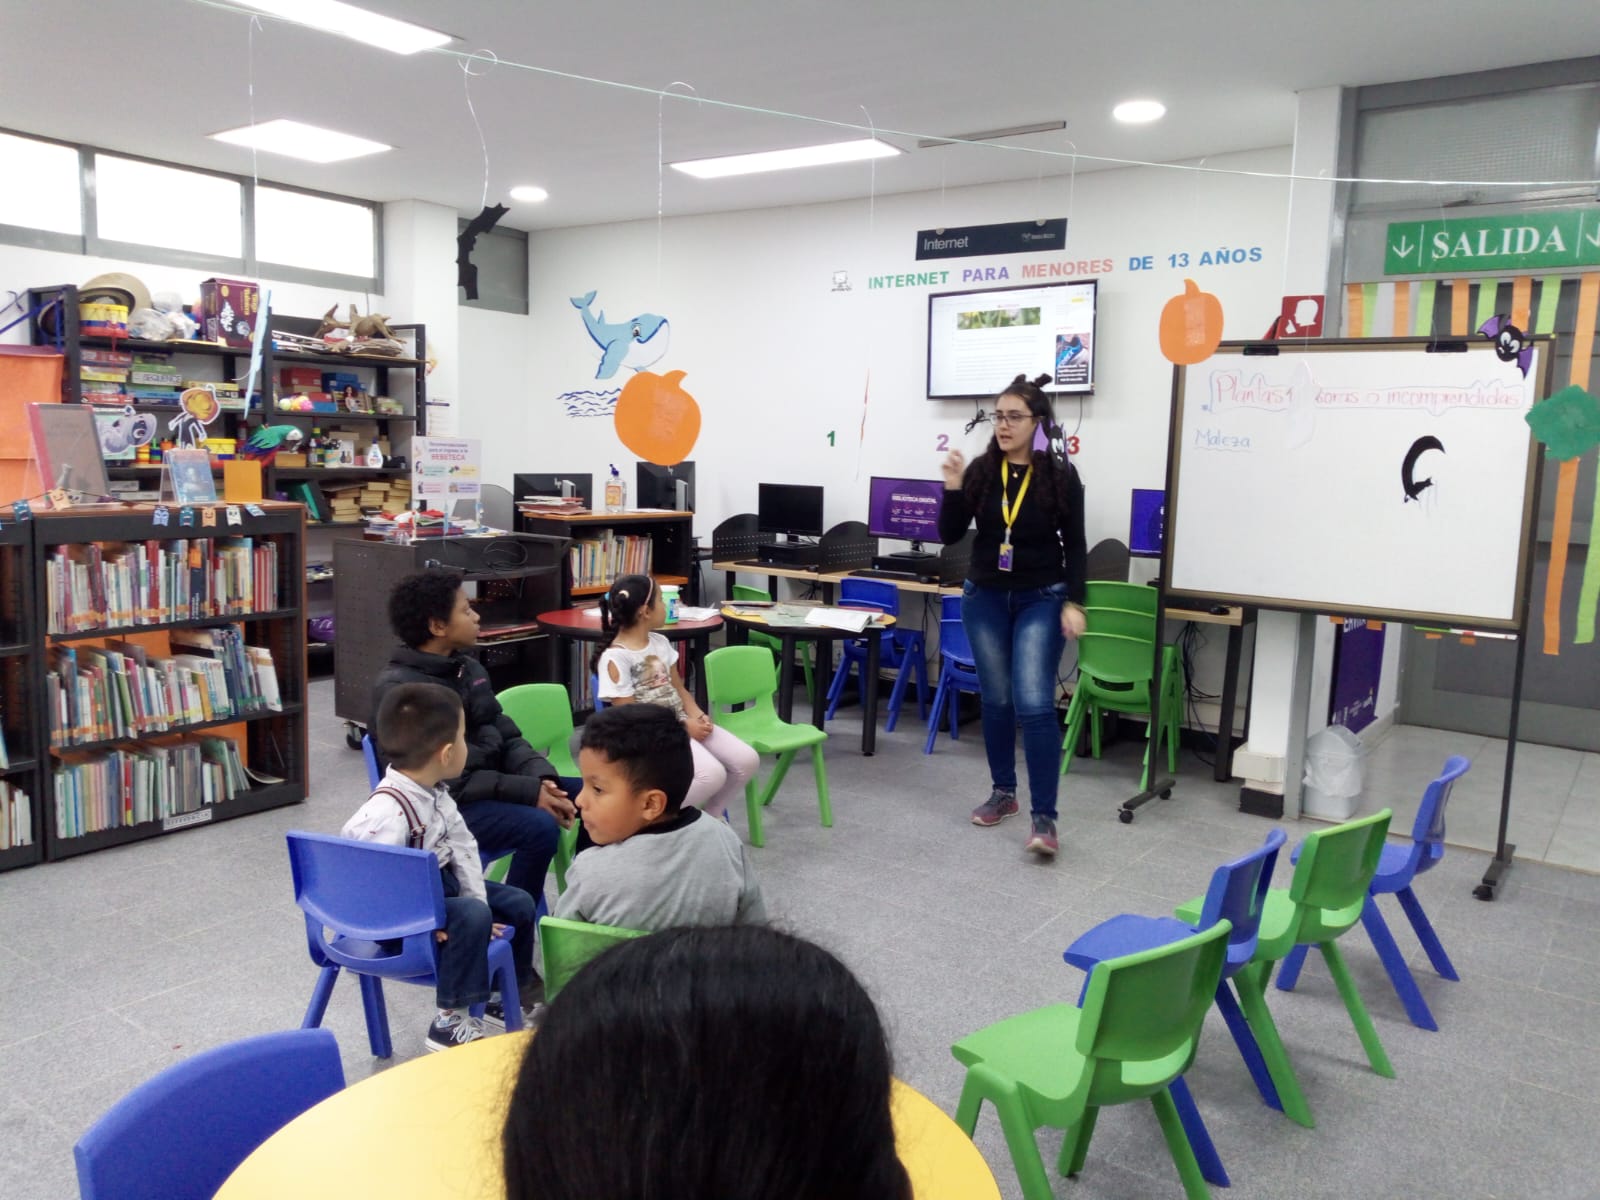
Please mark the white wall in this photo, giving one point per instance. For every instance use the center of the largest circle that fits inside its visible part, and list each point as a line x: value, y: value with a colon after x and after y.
x: 777, y: 359
x: 22, y: 267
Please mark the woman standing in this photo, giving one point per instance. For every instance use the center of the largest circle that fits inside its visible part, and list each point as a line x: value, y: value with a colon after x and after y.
x: 1022, y: 596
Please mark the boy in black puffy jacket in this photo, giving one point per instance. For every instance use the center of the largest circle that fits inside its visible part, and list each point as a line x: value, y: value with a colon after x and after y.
x: 509, y: 795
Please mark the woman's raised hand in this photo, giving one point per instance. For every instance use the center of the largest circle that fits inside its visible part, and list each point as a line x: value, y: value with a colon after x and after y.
x: 954, y: 467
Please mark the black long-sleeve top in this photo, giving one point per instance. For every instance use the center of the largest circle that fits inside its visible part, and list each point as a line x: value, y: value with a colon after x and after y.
x: 1045, y: 548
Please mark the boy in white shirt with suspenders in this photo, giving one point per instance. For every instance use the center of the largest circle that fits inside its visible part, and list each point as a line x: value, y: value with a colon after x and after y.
x: 422, y: 728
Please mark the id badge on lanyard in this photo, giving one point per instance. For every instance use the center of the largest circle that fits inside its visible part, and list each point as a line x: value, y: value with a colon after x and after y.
x: 1009, y: 510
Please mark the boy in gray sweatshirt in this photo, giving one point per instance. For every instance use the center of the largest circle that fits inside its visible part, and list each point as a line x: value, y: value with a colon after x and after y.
x: 654, y: 864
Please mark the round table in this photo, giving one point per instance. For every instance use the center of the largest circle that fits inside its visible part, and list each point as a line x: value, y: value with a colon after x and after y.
x: 741, y: 620
x: 583, y: 625
x: 430, y: 1127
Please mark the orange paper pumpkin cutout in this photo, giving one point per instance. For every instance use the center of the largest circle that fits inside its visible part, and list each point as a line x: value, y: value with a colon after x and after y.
x: 657, y: 419
x: 1191, y: 325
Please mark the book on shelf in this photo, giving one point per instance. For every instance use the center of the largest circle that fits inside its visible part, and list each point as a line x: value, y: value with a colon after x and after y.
x: 5, y: 755
x: 121, y: 690
x: 16, y: 817
x: 596, y: 561
x: 92, y: 585
x: 145, y: 782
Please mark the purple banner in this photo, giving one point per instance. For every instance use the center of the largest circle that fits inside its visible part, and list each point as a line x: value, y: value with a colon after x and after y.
x: 905, y: 508
x: 1357, y: 664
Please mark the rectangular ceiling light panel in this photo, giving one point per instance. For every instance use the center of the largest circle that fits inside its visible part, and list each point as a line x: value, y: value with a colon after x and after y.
x: 295, y: 139
x: 784, y: 160
x: 346, y: 20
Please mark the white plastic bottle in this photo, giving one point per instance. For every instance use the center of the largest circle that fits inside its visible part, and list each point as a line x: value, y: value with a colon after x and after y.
x: 616, y: 492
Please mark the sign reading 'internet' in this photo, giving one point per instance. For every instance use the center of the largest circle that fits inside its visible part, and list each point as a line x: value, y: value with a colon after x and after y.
x: 1013, y: 237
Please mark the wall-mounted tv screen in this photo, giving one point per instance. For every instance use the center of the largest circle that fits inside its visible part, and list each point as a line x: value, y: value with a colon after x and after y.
x: 978, y: 341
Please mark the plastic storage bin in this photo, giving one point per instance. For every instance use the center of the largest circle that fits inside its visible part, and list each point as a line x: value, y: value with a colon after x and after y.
x: 1333, y: 778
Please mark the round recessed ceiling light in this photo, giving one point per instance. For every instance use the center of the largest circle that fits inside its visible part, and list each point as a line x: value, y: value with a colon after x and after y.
x: 529, y: 194
x: 1139, y: 112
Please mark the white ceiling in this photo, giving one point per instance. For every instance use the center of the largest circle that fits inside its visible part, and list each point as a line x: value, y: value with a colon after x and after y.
x: 154, y: 77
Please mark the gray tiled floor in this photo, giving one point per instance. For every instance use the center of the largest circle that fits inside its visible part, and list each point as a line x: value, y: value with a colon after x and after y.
x: 116, y: 964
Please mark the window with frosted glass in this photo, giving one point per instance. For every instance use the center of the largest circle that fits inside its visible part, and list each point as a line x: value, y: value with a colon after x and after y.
x: 153, y: 205
x: 42, y: 188
x: 294, y: 229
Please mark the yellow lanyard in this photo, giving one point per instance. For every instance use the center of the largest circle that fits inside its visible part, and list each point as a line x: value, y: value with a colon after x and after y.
x: 1009, y: 511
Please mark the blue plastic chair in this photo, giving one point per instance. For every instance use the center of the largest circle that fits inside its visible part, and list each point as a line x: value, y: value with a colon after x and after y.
x: 904, y: 651
x: 180, y: 1135
x: 958, y: 672
x: 369, y: 752
x: 1397, y: 868
x: 1237, y: 894
x: 383, y: 905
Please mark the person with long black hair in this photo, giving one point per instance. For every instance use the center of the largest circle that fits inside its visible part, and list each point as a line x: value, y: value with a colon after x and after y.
x: 737, y: 1063
x: 1023, y: 595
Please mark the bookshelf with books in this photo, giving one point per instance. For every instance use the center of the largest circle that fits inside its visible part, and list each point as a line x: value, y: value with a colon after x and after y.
x: 111, y: 373
x: 605, y: 545
x: 171, y: 669
x: 21, y: 759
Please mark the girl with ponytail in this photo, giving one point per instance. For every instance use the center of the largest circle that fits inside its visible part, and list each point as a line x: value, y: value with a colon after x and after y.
x: 1023, y: 595
x: 636, y: 665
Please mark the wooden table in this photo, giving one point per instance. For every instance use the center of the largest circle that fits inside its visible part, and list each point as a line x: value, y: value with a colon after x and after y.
x: 827, y: 581
x: 582, y: 625
x: 742, y: 621
x: 431, y: 1127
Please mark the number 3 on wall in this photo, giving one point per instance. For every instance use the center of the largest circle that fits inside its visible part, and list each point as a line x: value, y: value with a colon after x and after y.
x: 1072, y: 445
x: 944, y: 443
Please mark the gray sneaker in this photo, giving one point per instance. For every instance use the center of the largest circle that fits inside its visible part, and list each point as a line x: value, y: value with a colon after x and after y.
x: 1000, y: 805
x: 1042, y: 840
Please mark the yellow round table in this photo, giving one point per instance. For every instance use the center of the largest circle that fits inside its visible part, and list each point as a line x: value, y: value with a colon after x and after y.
x: 431, y: 1127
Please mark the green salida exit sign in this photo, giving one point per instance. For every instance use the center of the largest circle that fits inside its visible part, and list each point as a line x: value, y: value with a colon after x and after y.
x: 1522, y: 241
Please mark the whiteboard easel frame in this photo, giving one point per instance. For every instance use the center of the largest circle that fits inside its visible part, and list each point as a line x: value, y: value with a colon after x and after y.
x: 1421, y: 345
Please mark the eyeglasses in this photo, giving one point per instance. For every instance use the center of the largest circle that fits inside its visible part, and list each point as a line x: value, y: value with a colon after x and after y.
x: 1013, y: 418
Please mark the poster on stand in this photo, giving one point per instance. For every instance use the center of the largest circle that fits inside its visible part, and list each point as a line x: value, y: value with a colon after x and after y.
x: 446, y: 470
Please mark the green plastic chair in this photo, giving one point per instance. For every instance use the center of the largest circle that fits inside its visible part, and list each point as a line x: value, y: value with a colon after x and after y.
x: 1323, y: 901
x: 1136, y: 1032
x: 568, y: 945
x: 1113, y: 676
x: 543, y: 714
x: 745, y: 675
x: 1130, y: 609
x: 744, y: 592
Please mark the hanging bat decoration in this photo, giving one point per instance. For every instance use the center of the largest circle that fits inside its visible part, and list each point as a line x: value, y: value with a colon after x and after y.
x: 1510, y: 343
x: 1414, y: 487
x: 467, y: 241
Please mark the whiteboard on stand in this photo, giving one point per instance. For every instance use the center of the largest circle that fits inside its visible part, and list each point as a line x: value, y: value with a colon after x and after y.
x: 1373, y: 478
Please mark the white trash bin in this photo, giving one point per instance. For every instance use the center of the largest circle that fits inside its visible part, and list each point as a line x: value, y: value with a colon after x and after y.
x: 1334, y: 758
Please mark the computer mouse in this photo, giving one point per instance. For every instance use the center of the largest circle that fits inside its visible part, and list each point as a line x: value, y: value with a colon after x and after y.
x: 1218, y: 610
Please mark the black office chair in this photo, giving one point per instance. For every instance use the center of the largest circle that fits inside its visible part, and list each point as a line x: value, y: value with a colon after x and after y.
x: 1108, y: 560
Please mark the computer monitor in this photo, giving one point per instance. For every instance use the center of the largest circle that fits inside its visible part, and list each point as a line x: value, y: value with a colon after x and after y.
x: 907, y: 509
x: 793, y: 508
x: 665, y: 487
x: 1147, y: 526
x: 550, y: 484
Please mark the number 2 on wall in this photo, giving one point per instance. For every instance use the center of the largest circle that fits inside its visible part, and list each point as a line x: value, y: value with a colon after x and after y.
x: 944, y: 443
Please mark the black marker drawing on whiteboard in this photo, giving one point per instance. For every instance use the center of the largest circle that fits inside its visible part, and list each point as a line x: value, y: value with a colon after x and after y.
x: 1510, y: 343
x: 1414, y: 487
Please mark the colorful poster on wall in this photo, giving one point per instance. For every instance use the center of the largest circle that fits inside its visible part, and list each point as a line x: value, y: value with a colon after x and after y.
x: 446, y: 470
x: 1357, y: 665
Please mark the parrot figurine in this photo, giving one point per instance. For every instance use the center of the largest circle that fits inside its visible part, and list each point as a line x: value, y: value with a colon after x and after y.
x: 266, y: 441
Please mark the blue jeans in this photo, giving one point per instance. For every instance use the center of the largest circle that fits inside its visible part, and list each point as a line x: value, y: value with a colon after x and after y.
x: 1017, y: 641
x: 524, y: 831
x: 462, y: 959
